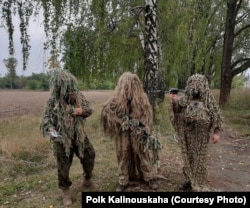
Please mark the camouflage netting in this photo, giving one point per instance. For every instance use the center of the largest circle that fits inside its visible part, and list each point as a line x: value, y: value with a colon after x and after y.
x: 59, y: 111
x: 195, y: 116
x: 148, y: 141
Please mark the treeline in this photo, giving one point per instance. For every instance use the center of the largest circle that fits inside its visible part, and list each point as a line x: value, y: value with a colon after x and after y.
x: 40, y: 81
x: 33, y: 82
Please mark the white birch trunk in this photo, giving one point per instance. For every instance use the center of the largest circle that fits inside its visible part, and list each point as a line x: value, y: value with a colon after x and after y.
x: 151, y: 51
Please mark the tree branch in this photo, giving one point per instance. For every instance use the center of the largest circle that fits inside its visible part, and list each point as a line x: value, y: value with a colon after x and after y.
x: 241, y: 68
x: 239, y: 61
x: 242, y: 29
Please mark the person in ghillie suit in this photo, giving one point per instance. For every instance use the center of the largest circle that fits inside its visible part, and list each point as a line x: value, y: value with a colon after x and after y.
x: 128, y: 117
x: 195, y: 117
x: 63, y: 119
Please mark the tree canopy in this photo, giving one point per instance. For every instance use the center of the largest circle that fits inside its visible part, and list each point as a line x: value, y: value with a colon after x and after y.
x: 97, y: 40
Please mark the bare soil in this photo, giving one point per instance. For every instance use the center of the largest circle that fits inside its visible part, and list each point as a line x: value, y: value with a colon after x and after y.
x: 229, y: 160
x: 229, y: 164
x: 19, y: 102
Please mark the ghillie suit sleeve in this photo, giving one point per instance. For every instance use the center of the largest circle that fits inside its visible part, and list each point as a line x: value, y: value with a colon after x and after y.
x: 80, y: 124
x: 176, y: 114
x: 215, y: 114
x: 59, y: 115
x: 175, y: 109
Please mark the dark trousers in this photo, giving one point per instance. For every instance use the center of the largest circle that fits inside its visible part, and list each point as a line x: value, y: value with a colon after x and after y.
x: 64, y: 162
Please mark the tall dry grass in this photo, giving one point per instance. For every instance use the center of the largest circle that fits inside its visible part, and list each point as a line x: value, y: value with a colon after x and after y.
x: 20, y: 134
x: 239, y: 99
x: 237, y: 111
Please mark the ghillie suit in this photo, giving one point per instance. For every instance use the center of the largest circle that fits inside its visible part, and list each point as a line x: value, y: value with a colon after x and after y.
x: 72, y: 137
x: 196, y: 115
x: 128, y: 118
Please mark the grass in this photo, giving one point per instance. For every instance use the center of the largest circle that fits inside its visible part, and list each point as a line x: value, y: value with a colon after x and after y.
x: 237, y: 111
x: 28, y: 176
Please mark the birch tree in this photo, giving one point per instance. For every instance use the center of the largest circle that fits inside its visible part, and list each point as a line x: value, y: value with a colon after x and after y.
x: 11, y: 64
x: 24, y: 10
x: 151, y: 51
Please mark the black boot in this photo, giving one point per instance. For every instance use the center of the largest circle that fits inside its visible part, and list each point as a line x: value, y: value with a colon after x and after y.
x: 185, y: 186
x: 153, y: 185
x: 88, y: 183
x: 120, y: 188
x: 66, y: 197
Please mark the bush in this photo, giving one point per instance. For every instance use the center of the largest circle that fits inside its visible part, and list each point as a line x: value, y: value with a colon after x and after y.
x: 33, y: 85
x: 106, y: 85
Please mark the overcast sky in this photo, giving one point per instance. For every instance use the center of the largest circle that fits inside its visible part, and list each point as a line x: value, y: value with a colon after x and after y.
x: 37, y: 55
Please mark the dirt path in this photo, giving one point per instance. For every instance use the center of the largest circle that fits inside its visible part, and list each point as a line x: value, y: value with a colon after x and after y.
x: 229, y: 166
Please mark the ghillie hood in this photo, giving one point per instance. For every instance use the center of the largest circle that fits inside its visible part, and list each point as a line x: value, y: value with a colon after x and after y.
x: 62, y: 83
x: 129, y: 100
x: 197, y: 86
